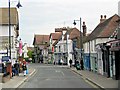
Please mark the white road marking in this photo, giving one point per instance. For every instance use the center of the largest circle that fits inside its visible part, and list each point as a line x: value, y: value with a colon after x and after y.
x: 62, y: 73
x: 59, y: 72
x: 47, y: 79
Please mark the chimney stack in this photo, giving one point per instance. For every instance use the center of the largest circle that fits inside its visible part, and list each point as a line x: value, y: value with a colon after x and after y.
x: 84, y: 29
x: 119, y: 8
x: 102, y: 19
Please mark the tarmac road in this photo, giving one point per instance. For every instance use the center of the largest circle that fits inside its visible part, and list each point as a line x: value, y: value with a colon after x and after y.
x: 52, y: 76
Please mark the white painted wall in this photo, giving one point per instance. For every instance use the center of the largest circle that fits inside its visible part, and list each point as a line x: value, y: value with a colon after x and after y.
x: 4, y: 31
x: 99, y: 59
x: 63, y: 48
x: 86, y: 47
x: 70, y: 50
x: 93, y: 43
x: 103, y: 40
x: 25, y: 50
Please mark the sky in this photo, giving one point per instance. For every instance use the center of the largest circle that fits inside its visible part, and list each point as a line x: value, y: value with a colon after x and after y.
x: 43, y: 16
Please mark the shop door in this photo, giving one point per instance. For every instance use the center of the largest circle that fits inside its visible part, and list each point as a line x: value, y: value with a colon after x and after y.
x: 117, y: 60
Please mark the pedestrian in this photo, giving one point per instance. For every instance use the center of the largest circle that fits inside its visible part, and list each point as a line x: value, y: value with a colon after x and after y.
x: 30, y: 60
x: 61, y: 61
x: 13, y: 71
x: 24, y: 69
x: 54, y: 62
x: 81, y: 63
x: 17, y: 68
x: 70, y: 62
x: 3, y: 67
x: 24, y: 61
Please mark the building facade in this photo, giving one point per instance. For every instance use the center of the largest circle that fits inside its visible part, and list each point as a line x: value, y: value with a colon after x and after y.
x: 40, y: 48
x: 4, y: 32
x: 95, y: 48
x: 53, y: 38
x: 66, y: 45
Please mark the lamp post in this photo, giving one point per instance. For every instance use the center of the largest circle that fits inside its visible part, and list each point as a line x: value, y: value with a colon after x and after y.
x: 81, y: 45
x: 9, y: 31
x: 67, y: 54
x: 18, y: 6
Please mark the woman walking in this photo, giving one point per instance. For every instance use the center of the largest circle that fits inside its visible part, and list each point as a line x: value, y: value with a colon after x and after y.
x: 24, y: 69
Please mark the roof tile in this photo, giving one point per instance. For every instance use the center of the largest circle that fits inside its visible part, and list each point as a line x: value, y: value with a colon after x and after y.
x: 41, y: 39
x: 4, y: 16
x: 105, y: 29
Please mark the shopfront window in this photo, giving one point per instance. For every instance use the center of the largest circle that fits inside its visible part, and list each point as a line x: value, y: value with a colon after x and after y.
x: 113, y: 59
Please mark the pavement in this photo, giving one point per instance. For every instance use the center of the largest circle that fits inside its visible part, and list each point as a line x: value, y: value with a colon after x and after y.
x: 16, y: 81
x: 96, y: 79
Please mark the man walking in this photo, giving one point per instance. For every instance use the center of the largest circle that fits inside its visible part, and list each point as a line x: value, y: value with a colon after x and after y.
x: 17, y: 67
x: 81, y: 63
x: 70, y: 61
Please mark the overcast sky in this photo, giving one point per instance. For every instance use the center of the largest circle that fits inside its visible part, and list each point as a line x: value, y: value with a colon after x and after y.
x: 43, y: 16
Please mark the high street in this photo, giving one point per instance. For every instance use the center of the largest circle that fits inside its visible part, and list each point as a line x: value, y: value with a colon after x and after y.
x: 49, y: 76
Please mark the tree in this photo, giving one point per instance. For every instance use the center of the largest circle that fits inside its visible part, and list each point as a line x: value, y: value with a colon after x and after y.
x: 29, y: 54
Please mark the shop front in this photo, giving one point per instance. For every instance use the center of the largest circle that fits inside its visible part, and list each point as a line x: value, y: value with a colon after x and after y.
x: 87, y: 61
x: 115, y: 56
x: 105, y: 56
x: 93, y: 62
x: 99, y: 58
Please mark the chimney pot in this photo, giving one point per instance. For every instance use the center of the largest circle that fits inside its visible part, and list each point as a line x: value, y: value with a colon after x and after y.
x: 102, y: 19
x: 101, y: 16
x: 83, y: 23
x: 84, y: 29
x: 104, y: 16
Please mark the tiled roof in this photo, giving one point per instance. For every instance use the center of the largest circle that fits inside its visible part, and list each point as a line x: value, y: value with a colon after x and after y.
x: 60, y: 29
x: 41, y: 39
x: 55, y: 36
x: 4, y: 16
x: 105, y: 29
x: 73, y: 33
x: 118, y: 20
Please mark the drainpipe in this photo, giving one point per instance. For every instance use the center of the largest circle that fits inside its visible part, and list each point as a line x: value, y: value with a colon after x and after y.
x: 89, y: 58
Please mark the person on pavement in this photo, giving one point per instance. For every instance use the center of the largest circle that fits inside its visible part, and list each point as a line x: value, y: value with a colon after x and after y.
x: 17, y: 68
x: 70, y: 62
x: 61, y: 61
x: 81, y: 64
x: 24, y: 69
x: 13, y: 71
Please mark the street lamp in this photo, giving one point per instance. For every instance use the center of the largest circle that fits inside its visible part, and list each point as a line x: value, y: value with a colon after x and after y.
x: 18, y: 6
x: 67, y: 47
x: 81, y: 45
